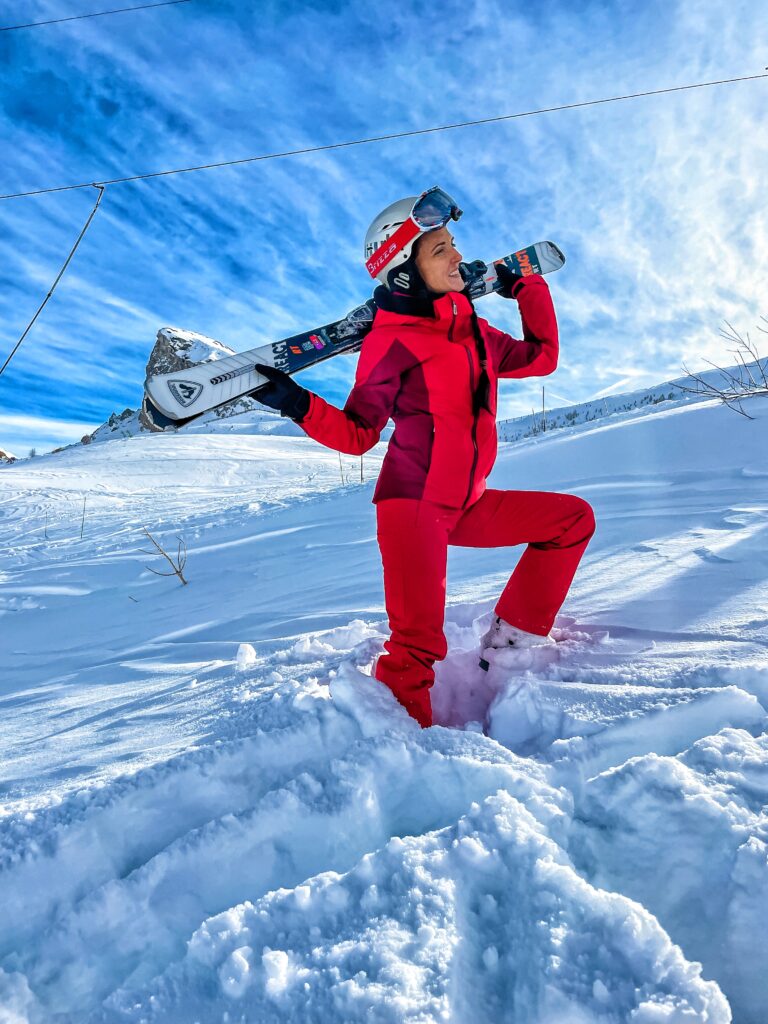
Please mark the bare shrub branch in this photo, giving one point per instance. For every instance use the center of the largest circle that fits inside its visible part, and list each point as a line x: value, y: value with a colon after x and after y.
x: 751, y: 378
x: 177, y: 567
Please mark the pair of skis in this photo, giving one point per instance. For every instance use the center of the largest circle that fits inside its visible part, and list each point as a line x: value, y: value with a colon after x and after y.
x: 173, y: 399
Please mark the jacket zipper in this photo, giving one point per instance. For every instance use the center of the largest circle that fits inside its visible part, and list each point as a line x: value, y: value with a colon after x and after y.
x: 474, y: 417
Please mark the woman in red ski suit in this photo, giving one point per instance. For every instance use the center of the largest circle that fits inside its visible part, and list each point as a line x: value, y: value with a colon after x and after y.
x: 431, y: 365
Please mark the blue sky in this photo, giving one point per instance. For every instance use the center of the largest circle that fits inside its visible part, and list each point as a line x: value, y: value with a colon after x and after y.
x: 658, y: 203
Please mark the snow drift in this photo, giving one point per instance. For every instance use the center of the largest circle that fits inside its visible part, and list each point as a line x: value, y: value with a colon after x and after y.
x: 211, y: 811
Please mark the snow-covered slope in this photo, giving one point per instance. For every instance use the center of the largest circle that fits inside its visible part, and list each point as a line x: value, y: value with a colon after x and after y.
x: 212, y: 812
x: 680, y: 391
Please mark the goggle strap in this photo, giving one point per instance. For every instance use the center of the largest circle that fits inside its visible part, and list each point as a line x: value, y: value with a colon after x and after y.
x: 386, y: 252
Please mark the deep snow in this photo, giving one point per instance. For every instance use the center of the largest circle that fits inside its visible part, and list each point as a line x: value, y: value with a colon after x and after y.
x: 212, y: 812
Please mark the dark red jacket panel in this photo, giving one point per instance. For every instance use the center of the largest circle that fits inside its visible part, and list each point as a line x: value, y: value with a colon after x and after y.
x: 422, y: 373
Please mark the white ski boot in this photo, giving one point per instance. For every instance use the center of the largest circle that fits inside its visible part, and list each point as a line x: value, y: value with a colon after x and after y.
x: 503, y: 636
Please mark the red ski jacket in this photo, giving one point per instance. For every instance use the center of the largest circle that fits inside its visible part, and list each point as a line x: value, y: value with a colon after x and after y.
x: 422, y: 372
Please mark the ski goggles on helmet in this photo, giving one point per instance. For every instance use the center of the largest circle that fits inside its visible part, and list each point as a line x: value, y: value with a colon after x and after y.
x: 433, y: 209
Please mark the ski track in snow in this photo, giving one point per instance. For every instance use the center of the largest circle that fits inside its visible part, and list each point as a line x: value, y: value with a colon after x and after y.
x: 211, y: 812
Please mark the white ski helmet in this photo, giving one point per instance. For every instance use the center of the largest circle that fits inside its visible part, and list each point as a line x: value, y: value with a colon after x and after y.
x: 392, y: 235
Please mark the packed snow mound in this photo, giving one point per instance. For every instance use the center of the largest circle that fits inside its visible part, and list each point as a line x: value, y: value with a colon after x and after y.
x: 6, y: 456
x: 212, y: 810
x: 699, y: 861
x: 487, y: 920
x: 381, y: 871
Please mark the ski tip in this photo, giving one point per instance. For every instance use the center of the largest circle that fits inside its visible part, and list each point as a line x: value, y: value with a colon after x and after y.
x: 558, y: 251
x: 152, y: 419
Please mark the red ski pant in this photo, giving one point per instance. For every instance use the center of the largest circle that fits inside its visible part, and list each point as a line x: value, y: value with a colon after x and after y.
x: 414, y: 537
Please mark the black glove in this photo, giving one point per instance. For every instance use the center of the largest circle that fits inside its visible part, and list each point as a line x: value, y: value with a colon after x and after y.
x: 511, y: 283
x: 281, y: 393
x: 474, y: 274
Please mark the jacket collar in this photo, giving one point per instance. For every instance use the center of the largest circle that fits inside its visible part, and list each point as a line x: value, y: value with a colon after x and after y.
x: 452, y: 304
x: 447, y: 307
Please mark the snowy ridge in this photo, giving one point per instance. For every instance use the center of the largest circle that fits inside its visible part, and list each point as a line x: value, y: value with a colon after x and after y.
x: 242, y: 415
x: 213, y: 812
x: 632, y: 403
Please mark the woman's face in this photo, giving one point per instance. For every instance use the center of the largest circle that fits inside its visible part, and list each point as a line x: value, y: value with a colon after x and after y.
x: 437, y: 260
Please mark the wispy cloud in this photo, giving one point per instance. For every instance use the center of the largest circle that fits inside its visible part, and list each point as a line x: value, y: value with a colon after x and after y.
x: 19, y: 434
x: 624, y: 384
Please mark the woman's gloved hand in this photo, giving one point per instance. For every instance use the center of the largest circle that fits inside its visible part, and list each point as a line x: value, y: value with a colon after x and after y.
x: 282, y: 393
x: 511, y: 283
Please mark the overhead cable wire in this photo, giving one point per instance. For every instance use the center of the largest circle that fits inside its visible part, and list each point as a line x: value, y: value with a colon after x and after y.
x: 385, y: 138
x: 97, y: 14
x: 59, y: 276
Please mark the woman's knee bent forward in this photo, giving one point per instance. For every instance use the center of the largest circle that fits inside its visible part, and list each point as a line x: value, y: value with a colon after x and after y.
x: 581, y: 527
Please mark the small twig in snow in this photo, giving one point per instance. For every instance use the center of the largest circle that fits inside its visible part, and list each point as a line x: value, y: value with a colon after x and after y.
x: 177, y: 566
